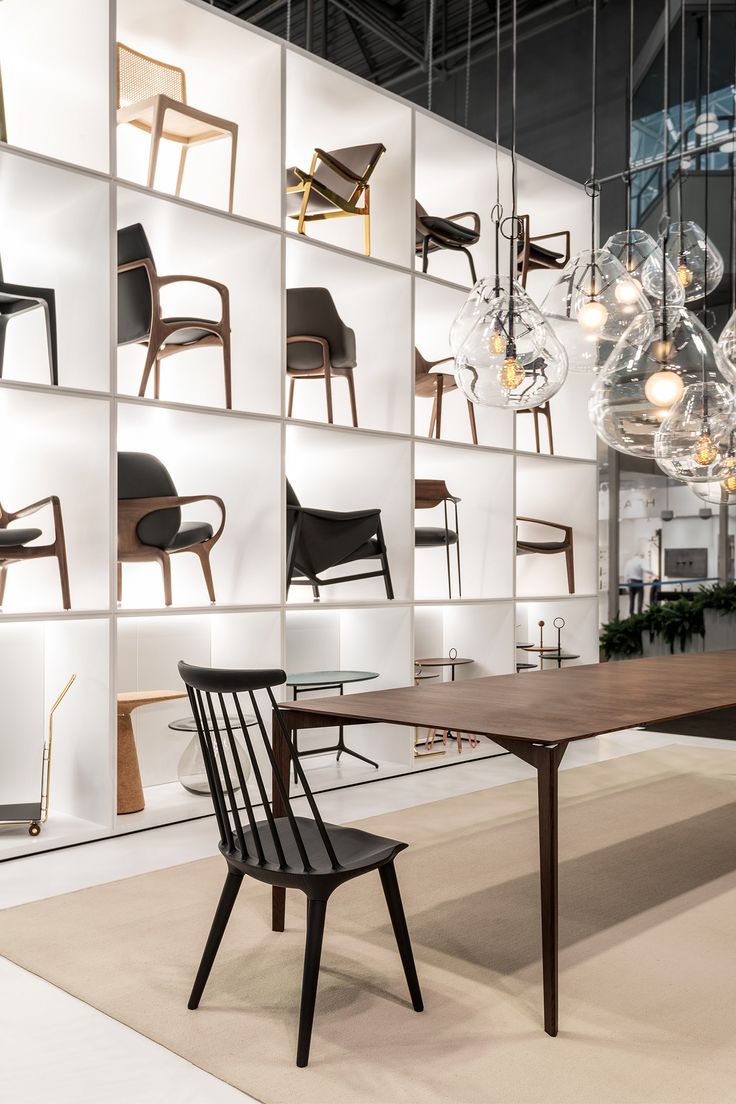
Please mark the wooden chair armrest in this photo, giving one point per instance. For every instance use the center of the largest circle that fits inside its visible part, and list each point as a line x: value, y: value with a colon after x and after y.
x: 467, y: 214
x: 132, y: 510
x: 144, y: 262
x: 314, y: 340
x: 550, y: 524
x: 26, y: 511
x: 222, y: 290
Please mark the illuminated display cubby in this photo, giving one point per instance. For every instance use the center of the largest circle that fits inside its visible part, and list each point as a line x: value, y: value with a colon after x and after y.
x: 70, y: 177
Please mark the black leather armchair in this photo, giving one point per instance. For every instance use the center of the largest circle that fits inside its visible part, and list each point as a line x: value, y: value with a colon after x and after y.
x: 434, y: 233
x: 318, y: 344
x: 320, y: 539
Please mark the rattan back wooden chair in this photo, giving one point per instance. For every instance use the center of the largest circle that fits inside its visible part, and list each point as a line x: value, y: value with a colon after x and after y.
x: 16, y: 544
x: 152, y: 96
x: 335, y: 187
x: 434, y: 385
x: 289, y: 851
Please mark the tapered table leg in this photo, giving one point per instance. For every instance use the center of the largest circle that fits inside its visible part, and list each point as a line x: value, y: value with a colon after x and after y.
x: 547, y: 796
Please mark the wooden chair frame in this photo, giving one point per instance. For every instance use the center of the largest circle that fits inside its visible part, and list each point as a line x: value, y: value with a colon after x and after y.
x: 524, y: 262
x: 434, y: 240
x: 526, y: 547
x: 429, y: 384
x: 214, y: 127
x: 543, y: 411
x: 219, y: 332
x: 326, y: 372
x: 429, y: 493
x: 17, y: 553
x: 345, y: 207
x: 34, y: 297
x: 131, y: 548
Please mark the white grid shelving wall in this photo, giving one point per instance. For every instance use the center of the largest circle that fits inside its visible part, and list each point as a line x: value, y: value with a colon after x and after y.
x: 68, y: 179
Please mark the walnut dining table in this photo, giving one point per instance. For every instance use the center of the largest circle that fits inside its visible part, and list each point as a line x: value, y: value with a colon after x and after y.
x: 534, y: 718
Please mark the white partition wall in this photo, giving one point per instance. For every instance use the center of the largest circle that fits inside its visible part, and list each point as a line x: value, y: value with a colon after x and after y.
x: 70, y: 178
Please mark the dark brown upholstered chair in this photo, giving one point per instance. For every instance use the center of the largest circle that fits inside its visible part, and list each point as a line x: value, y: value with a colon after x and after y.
x: 531, y: 255
x: 433, y: 385
x: 317, y: 540
x: 149, y: 520
x: 152, y: 96
x: 293, y: 852
x: 537, y: 412
x: 17, y: 299
x: 549, y: 548
x: 337, y: 182
x: 318, y: 344
x: 428, y: 494
x: 16, y: 544
x: 140, y: 319
x: 434, y: 233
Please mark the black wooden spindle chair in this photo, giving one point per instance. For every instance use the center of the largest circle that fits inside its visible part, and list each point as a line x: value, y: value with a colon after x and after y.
x: 292, y: 852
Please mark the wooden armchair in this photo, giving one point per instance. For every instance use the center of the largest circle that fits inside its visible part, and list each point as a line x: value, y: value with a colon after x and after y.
x: 152, y: 96
x: 149, y: 520
x: 433, y: 385
x: 140, y: 316
x: 537, y: 412
x: 434, y: 233
x: 550, y: 548
x: 337, y: 182
x: 531, y: 255
x: 318, y: 344
x: 16, y: 546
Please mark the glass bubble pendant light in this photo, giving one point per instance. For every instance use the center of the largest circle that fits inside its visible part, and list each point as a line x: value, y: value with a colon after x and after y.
x: 642, y: 380
x: 697, y: 262
x: 510, y: 358
x: 727, y: 340
x: 638, y: 253
x: 692, y: 440
x: 721, y: 489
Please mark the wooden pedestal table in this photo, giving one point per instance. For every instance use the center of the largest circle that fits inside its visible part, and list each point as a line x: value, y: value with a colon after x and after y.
x: 130, y: 787
x: 534, y: 719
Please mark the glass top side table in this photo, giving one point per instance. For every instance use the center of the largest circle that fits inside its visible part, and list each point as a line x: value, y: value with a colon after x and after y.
x: 191, y: 771
x: 306, y: 682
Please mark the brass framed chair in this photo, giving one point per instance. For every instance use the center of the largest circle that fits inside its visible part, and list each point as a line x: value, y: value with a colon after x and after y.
x: 140, y: 318
x: 434, y: 385
x: 434, y: 233
x: 16, y: 544
x: 18, y: 299
x: 334, y: 187
x: 531, y: 255
x: 152, y: 96
x: 537, y: 412
x: 428, y: 494
x: 318, y: 344
x: 149, y: 520
x: 549, y: 548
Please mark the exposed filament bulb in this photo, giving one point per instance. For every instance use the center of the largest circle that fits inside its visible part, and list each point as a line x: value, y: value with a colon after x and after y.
x: 511, y: 372
x: 706, y: 451
x: 729, y: 480
x: 684, y: 274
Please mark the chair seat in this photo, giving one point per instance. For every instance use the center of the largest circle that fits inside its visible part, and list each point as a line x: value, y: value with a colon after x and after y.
x: 16, y: 304
x: 180, y: 123
x: 367, y: 551
x: 190, y: 533
x: 355, y: 850
x: 540, y: 254
x: 190, y: 331
x: 12, y: 538
x: 427, y: 536
x: 453, y: 231
x: 303, y: 357
x: 317, y: 202
x: 523, y: 547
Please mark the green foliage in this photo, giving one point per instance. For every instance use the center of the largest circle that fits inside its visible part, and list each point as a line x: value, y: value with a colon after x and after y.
x: 674, y: 621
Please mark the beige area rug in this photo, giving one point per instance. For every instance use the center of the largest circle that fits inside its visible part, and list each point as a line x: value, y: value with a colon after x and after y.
x: 648, y: 960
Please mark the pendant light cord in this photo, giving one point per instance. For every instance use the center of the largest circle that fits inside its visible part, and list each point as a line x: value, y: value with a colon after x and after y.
x: 430, y: 53
x: 514, y: 232
x: 592, y: 187
x: 664, y: 222
x: 733, y: 192
x: 629, y: 125
x: 706, y: 179
x: 497, y: 212
x: 682, y: 115
x: 467, y: 63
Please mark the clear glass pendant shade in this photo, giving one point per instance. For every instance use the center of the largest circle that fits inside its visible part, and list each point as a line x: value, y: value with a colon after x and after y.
x: 721, y: 490
x: 727, y: 340
x: 697, y: 262
x: 693, y: 439
x: 641, y: 257
x: 510, y: 356
x: 471, y: 310
x: 642, y: 381
x: 591, y: 305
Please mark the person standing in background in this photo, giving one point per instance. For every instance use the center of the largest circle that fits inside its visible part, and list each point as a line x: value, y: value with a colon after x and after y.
x: 634, y: 572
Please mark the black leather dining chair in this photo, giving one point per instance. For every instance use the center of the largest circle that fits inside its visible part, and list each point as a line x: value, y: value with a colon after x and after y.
x: 289, y: 851
x: 149, y: 520
x: 17, y: 299
x: 434, y: 232
x: 140, y: 316
x: 318, y: 344
x: 317, y: 540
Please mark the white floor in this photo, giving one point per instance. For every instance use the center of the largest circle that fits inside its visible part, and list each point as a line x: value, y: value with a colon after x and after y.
x: 54, y: 1047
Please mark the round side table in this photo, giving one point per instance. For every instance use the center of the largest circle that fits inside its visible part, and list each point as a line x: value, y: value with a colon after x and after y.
x: 191, y: 771
x: 308, y: 682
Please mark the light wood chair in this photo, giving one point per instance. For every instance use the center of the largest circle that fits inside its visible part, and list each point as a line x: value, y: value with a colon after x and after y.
x: 334, y: 187
x: 152, y: 96
x: 434, y: 385
x: 16, y: 546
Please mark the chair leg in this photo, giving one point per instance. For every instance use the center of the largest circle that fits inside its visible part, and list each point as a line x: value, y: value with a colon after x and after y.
x: 157, y: 378
x: 228, y: 896
x: 473, y: 426
x: 469, y: 255
x: 548, y: 416
x: 328, y: 389
x: 425, y: 254
x: 537, y: 442
x: 570, y: 561
x: 151, y: 357
x: 156, y: 132
x: 3, y: 581
x: 390, y: 884
x: 203, y: 552
x: 290, y: 407
x: 49, y: 310
x: 63, y: 575
x: 233, y: 158
x: 3, y: 328
x: 182, y: 162
x: 166, y: 572
x: 384, y: 562
x: 316, y: 912
x: 353, y: 406
x: 438, y: 410
x: 120, y: 581
x: 433, y: 419
x: 227, y: 366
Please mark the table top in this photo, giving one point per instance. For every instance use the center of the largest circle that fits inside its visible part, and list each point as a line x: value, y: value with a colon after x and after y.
x: 442, y: 661
x: 554, y: 706
x: 328, y: 678
x: 132, y: 699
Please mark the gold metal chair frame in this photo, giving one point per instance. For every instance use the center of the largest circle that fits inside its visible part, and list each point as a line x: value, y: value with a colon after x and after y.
x: 194, y: 127
x: 346, y: 207
x: 34, y: 825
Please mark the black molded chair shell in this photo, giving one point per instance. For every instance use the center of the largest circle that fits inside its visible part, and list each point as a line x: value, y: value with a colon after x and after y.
x: 135, y: 306
x: 141, y: 475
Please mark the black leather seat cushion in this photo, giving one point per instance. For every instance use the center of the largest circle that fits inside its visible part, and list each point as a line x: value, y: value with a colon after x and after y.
x: 190, y: 332
x: 190, y: 533
x: 428, y: 537
x: 455, y: 231
x: 539, y: 253
x: 540, y: 546
x: 11, y: 538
